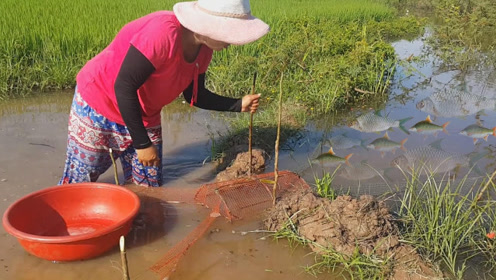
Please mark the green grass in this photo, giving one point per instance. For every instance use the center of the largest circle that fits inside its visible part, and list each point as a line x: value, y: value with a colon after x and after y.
x: 326, y: 49
x: 445, y: 221
x: 43, y: 44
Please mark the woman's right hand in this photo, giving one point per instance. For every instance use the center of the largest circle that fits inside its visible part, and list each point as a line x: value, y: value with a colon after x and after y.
x: 148, y: 156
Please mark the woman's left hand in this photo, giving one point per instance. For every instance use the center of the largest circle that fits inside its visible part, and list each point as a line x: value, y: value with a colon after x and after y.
x: 249, y: 103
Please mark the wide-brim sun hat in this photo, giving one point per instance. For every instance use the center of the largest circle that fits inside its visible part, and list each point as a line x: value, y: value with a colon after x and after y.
x: 228, y: 21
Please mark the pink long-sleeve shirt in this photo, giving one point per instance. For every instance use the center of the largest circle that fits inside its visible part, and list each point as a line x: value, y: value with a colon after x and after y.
x: 158, y: 37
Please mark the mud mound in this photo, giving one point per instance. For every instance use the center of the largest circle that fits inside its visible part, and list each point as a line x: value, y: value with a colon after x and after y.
x: 347, y: 224
x: 240, y: 166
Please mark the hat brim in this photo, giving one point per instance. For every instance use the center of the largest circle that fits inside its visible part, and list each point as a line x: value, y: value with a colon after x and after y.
x: 234, y: 31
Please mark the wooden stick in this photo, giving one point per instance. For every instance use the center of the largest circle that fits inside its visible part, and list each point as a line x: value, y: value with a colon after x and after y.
x: 125, y: 272
x: 251, y: 127
x: 276, y: 161
x: 116, y: 178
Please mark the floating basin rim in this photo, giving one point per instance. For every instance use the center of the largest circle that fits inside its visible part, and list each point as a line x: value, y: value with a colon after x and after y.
x: 71, y: 238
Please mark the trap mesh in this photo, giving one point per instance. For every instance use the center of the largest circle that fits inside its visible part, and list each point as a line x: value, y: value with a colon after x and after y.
x: 235, y: 199
x: 247, y: 196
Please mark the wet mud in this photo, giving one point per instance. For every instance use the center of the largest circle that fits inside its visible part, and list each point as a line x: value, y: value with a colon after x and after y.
x: 240, y: 166
x: 347, y: 225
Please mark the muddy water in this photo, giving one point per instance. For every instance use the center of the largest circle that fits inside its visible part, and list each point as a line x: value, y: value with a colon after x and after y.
x: 33, y: 137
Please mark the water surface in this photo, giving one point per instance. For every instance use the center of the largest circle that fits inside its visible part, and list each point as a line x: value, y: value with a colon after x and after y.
x: 33, y: 136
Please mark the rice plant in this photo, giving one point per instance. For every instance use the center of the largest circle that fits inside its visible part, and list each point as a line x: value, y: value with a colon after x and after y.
x: 43, y: 44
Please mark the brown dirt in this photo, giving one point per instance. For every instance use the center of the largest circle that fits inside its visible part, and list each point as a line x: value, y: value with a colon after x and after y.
x: 240, y: 166
x: 347, y: 223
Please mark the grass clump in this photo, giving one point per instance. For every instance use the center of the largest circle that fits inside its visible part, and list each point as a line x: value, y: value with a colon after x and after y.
x: 451, y: 224
x: 349, y: 266
x: 445, y: 221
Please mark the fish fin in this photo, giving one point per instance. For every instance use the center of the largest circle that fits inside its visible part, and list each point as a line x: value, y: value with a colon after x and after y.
x: 436, y: 144
x: 444, y: 127
x: 403, y: 121
x: 475, y: 140
x: 377, y: 113
x: 331, y: 151
x: 403, y: 144
x: 428, y: 119
x: 347, y: 159
x: 386, y: 135
x: 494, y: 131
x: 485, y: 138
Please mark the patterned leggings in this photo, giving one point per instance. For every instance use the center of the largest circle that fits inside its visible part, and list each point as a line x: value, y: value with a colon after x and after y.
x: 91, y: 135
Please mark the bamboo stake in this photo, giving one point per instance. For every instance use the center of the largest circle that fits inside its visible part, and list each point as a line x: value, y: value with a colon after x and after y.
x: 116, y: 178
x: 250, y: 134
x: 125, y: 272
x: 276, y: 161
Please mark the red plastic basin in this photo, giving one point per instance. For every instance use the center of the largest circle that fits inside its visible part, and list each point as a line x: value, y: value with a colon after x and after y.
x: 72, y: 222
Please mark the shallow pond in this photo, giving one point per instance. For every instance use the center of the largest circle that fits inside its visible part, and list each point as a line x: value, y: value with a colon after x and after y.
x: 442, y: 122
x: 33, y: 137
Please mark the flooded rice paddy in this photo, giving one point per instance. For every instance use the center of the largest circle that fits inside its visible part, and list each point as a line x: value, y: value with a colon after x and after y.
x: 444, y: 119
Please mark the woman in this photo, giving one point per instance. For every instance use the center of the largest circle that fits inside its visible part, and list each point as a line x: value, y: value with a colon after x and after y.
x: 150, y: 62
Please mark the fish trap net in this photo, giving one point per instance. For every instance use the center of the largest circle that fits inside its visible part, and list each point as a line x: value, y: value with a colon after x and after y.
x: 234, y: 200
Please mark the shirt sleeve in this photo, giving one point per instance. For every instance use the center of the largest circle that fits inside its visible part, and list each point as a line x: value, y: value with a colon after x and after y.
x: 209, y: 100
x: 134, y: 71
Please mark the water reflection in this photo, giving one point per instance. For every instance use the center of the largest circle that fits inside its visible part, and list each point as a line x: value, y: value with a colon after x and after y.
x: 359, y: 172
x: 450, y: 117
x: 449, y: 103
x: 435, y: 120
x: 374, y: 122
x: 430, y: 159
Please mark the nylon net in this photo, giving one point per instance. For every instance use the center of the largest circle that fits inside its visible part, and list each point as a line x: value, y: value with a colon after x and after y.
x: 235, y: 199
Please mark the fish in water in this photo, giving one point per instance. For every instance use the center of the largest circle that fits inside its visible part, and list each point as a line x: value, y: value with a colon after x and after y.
x: 359, y: 172
x: 384, y: 144
x: 455, y: 104
x: 343, y: 142
x: 428, y: 127
x: 372, y: 122
x: 430, y: 159
x: 476, y: 131
x: 331, y: 158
